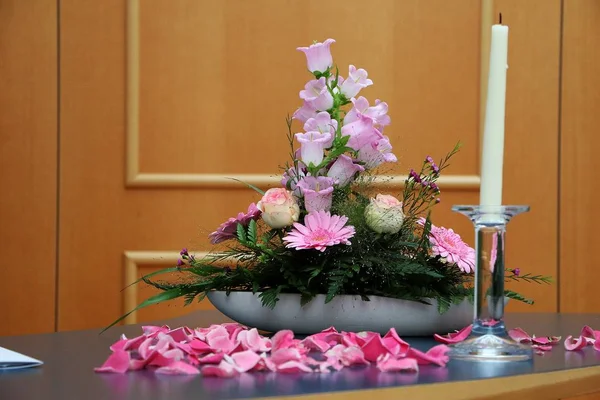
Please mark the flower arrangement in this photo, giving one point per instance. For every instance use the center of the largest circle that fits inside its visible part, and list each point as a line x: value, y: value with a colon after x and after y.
x: 326, y: 230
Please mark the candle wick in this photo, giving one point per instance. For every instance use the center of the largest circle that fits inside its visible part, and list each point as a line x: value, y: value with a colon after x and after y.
x: 500, y: 18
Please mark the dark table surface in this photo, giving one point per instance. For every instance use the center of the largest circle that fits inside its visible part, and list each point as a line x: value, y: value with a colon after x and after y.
x: 69, y: 359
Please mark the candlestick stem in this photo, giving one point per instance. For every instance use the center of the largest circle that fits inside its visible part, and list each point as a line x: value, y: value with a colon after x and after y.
x: 489, y: 339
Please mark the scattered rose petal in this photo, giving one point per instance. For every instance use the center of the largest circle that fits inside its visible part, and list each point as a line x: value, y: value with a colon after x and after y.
x: 212, y: 358
x: 199, y: 347
x: 245, y: 360
x: 293, y: 367
x: 589, y: 334
x: 312, y: 342
x: 542, y: 347
x: 178, y: 368
x: 597, y: 345
x: 374, y: 348
x: 390, y: 364
x: 454, y: 337
x: 393, y: 343
x: 284, y: 355
x: 436, y: 355
x: 573, y: 344
x: 117, y: 362
x: 223, y: 370
x: 519, y: 335
x: 282, y: 340
x: 180, y: 334
x: 353, y: 356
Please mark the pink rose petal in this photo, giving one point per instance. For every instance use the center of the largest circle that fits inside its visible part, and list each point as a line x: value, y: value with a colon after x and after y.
x: 572, y: 344
x: 136, y: 365
x: 118, y: 345
x: 284, y: 355
x: 178, y: 368
x: 251, y: 340
x: 394, y: 344
x: 150, y: 330
x: 597, y: 345
x: 390, y: 364
x: 182, y: 334
x: 282, y: 340
x: 353, y: 356
x: 589, y: 334
x: 545, y: 340
x: 519, y: 335
x: 145, y: 351
x: 199, y: 347
x: 232, y: 328
x: 455, y: 337
x: 245, y: 360
x: 223, y: 370
x: 292, y: 367
x: 542, y: 347
x: 314, y: 343
x: 221, y: 344
x: 374, y: 348
x: 117, y: 362
x: 435, y: 355
x: 133, y: 344
x: 212, y: 358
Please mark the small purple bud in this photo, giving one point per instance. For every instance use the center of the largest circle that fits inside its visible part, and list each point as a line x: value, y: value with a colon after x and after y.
x: 516, y: 271
x: 434, y: 186
x: 179, y: 262
x: 435, y: 168
x: 429, y: 159
x: 183, y: 252
x: 437, y: 200
x: 415, y: 176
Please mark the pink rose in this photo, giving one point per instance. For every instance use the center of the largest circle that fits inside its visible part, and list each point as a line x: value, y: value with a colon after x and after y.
x: 279, y: 208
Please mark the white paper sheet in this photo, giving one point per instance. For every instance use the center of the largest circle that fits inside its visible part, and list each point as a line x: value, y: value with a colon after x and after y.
x: 12, y: 360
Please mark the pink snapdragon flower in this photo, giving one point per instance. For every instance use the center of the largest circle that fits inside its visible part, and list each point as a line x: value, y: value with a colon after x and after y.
x: 322, y: 123
x: 320, y: 230
x: 318, y: 56
x: 228, y: 229
x: 361, y: 132
x: 317, y: 192
x: 317, y: 95
x: 449, y: 246
x: 313, y: 146
x: 343, y: 170
x: 357, y: 80
x: 376, y: 153
x: 361, y: 107
x: 305, y: 112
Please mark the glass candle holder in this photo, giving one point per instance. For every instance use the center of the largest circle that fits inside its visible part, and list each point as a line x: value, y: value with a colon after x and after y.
x: 489, y: 339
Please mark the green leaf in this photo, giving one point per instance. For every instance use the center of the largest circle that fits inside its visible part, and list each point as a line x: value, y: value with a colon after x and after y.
x: 241, y: 233
x: 252, y: 234
x: 261, y: 192
x: 159, y: 298
x: 162, y: 271
x: 305, y: 299
x: 516, y: 296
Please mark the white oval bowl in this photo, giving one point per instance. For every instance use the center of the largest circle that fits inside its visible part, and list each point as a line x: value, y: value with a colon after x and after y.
x: 348, y: 313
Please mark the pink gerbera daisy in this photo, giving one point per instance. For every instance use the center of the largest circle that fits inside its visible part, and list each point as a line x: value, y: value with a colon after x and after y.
x: 450, y: 247
x: 228, y: 229
x: 320, y: 230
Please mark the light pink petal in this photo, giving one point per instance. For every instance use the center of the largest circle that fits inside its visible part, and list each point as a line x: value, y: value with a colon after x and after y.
x: 573, y: 344
x: 144, y: 350
x: 542, y: 347
x: 284, y: 355
x: 597, y: 345
x: 349, y: 339
x: 178, y: 368
x: 282, y: 340
x: 117, y: 362
x: 454, y: 337
x: 198, y: 346
x: 135, y: 365
x: 312, y: 342
x: 394, y: 344
x: 292, y: 367
x: 374, y: 348
x: 164, y: 343
x: 182, y: 334
x: 266, y: 364
x: 436, y: 355
x: 213, y: 358
x: 150, y: 330
x: 118, y: 345
x: 391, y: 364
x: 185, y: 347
x: 353, y: 356
x: 223, y: 370
x: 245, y: 360
x: 519, y: 335
x: 221, y: 344
x: 133, y: 344
x: 216, y: 331
x: 589, y: 334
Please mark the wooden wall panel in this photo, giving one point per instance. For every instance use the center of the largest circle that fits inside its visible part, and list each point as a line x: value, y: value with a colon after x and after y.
x: 531, y: 142
x: 579, y: 272
x: 28, y: 142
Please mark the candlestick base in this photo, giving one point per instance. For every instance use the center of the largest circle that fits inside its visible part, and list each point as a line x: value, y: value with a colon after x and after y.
x: 489, y: 340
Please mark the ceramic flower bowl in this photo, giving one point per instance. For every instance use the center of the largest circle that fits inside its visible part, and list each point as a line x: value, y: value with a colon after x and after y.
x: 348, y: 313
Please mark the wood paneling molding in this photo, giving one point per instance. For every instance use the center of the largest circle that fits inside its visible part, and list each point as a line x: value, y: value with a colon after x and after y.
x: 135, y: 178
